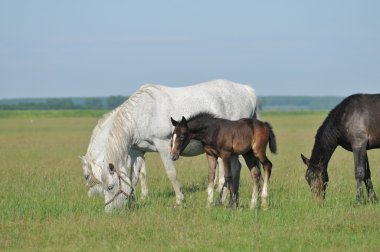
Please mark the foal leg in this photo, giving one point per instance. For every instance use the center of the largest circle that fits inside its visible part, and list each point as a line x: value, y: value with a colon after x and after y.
x: 211, y: 177
x: 368, y: 182
x: 226, y: 157
x: 360, y: 160
x: 254, y: 168
x: 235, y: 171
x: 267, y: 172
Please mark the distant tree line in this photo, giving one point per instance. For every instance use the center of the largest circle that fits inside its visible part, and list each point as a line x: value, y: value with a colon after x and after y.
x: 265, y: 103
x: 63, y: 103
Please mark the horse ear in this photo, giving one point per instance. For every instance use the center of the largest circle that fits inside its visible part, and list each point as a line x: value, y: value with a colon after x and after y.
x: 305, y: 160
x: 174, y: 122
x: 183, y: 120
x: 111, y: 168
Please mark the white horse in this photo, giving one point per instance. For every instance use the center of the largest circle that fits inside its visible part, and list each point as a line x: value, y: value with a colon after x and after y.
x: 143, y: 123
x: 95, y: 155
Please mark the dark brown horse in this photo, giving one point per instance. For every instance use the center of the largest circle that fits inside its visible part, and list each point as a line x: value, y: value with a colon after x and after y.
x: 224, y: 138
x: 353, y: 124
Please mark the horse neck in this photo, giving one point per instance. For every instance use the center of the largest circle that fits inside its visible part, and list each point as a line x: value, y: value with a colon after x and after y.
x: 202, y: 129
x: 119, y: 140
x: 325, y: 144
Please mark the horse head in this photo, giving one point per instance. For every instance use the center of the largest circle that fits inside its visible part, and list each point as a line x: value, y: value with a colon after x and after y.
x: 117, y: 187
x: 93, y: 183
x: 180, y: 138
x: 317, y: 178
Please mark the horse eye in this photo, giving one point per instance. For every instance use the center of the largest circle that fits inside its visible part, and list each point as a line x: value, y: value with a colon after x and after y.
x: 86, y: 177
x: 110, y: 187
x: 182, y: 137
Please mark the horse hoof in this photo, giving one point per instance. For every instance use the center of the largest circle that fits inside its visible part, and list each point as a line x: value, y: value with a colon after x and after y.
x: 372, y: 198
x: 264, y: 205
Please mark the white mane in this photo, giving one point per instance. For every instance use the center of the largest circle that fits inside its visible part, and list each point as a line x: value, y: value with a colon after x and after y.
x: 99, y: 126
x: 121, y: 134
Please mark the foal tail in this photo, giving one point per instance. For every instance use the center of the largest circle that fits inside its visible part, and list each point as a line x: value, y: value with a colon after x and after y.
x: 272, y: 139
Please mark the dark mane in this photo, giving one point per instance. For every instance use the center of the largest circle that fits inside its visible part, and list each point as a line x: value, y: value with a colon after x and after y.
x: 202, y: 115
x: 327, y: 135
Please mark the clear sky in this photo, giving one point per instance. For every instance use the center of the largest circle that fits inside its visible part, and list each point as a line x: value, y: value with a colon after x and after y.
x: 75, y: 48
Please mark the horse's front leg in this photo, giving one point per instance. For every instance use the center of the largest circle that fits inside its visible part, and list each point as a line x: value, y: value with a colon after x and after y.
x: 162, y: 148
x: 138, y: 171
x: 211, y: 177
x: 226, y: 157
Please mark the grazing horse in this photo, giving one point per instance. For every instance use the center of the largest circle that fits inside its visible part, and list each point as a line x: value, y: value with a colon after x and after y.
x: 224, y: 138
x: 140, y: 124
x: 353, y: 124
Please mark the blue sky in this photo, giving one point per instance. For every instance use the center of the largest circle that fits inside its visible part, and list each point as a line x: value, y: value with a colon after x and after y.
x: 101, y: 48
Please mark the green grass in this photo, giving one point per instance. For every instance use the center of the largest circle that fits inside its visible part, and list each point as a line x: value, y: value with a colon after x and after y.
x: 44, y: 205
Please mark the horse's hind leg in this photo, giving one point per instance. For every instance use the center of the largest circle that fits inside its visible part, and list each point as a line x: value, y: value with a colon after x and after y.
x: 360, y: 163
x: 253, y: 166
x: 267, y: 172
x: 211, y: 177
x: 368, y: 182
x: 221, y: 186
x: 267, y: 166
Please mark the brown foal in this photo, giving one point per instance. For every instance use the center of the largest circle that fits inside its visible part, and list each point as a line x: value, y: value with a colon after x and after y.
x: 224, y: 138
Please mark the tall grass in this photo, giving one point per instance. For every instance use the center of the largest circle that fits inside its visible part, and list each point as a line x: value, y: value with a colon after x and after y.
x: 44, y: 205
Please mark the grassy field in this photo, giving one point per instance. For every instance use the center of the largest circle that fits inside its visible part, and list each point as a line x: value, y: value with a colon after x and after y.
x: 44, y: 205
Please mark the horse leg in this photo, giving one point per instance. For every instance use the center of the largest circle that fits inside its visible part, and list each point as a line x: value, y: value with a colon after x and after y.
x: 368, y: 182
x: 138, y: 170
x: 211, y: 177
x: 235, y: 170
x: 360, y: 160
x: 221, y: 192
x: 143, y: 183
x: 171, y: 172
x: 267, y: 166
x: 226, y: 157
x: 253, y: 167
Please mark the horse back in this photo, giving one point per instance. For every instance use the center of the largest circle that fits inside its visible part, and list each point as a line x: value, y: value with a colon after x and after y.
x: 360, y: 120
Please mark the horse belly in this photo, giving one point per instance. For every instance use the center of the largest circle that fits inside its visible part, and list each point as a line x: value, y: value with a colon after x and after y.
x: 241, y: 149
x: 146, y: 146
x: 194, y: 148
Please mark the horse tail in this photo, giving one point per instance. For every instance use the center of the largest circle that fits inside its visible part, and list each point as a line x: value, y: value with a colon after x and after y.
x: 256, y: 112
x: 272, y: 139
x: 253, y: 102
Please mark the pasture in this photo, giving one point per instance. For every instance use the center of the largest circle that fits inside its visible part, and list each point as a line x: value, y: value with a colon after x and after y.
x: 44, y: 204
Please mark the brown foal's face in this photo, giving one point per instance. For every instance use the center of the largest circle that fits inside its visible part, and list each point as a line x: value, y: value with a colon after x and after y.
x: 179, y: 139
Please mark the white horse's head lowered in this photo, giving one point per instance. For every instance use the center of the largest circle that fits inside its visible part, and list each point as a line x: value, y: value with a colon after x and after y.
x: 117, y: 187
x: 95, y: 152
x: 92, y: 176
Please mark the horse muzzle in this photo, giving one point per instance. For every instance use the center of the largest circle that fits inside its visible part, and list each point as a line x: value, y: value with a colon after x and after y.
x: 174, y: 157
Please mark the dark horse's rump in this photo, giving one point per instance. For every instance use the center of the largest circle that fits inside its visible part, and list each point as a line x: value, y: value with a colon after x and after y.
x: 353, y: 124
